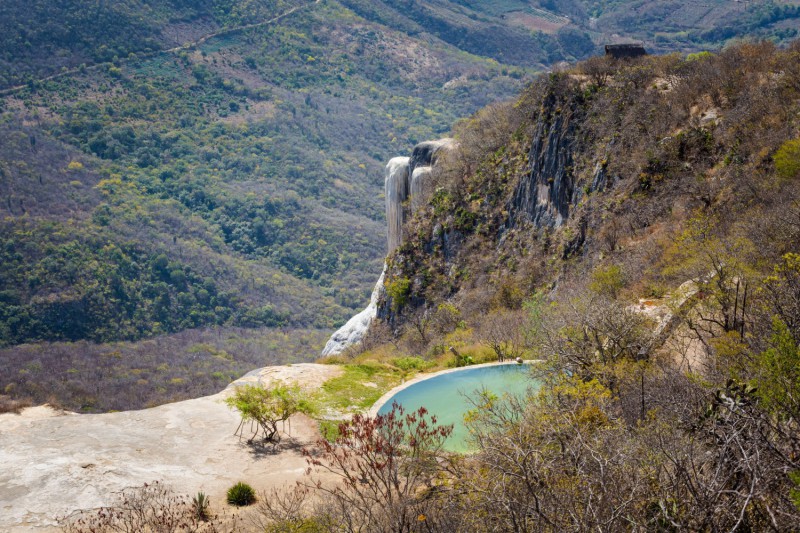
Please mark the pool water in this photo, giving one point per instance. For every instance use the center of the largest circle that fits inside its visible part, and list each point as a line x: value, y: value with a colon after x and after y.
x: 445, y: 395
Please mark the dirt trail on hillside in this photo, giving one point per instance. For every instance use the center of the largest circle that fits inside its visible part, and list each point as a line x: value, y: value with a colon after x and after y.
x: 53, y: 463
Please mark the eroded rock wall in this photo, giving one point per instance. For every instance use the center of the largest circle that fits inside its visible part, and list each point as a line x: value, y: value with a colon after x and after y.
x: 545, y: 196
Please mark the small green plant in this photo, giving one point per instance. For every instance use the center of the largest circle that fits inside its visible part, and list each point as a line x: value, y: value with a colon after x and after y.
x: 241, y: 495
x: 266, y: 407
x: 329, y: 429
x: 399, y: 290
x: 200, y: 504
x: 607, y: 281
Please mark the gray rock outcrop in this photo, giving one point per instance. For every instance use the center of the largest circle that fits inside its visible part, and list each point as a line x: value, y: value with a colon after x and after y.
x: 546, y: 195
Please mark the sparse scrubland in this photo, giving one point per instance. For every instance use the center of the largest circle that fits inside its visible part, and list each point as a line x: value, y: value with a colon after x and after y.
x: 666, y: 304
x: 89, y: 378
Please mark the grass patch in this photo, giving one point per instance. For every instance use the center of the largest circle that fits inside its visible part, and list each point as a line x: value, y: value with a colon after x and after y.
x: 359, y: 387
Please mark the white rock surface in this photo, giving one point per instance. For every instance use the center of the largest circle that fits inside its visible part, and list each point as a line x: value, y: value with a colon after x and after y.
x: 53, y: 463
x: 355, y: 328
x: 420, y: 187
x: 396, y: 187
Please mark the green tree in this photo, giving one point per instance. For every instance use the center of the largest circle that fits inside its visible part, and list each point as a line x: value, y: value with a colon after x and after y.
x: 265, y: 407
x: 607, y: 281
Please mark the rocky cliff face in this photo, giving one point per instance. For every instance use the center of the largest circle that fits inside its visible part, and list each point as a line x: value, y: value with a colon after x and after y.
x: 532, y: 183
x: 407, y: 187
x: 544, y: 197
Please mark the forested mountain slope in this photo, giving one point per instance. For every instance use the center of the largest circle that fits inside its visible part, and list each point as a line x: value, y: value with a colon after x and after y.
x: 526, y: 32
x: 41, y: 38
x: 235, y: 184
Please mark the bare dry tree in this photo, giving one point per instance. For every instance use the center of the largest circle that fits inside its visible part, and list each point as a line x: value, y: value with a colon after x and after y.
x: 388, y: 472
x: 151, y: 508
x: 504, y: 332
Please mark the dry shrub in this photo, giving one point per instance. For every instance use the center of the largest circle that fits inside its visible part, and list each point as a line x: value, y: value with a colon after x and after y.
x: 389, y: 471
x: 151, y: 508
x: 482, y: 134
x: 504, y: 332
x: 10, y: 405
x: 598, y: 68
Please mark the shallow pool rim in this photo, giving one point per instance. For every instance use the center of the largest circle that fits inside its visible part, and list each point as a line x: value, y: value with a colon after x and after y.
x: 376, y: 407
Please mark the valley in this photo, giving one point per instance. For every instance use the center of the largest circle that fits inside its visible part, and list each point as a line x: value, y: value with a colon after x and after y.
x: 195, y: 195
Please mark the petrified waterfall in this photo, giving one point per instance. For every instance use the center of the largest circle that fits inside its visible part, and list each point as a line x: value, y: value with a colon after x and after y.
x: 407, y: 187
x: 423, y: 159
x: 396, y: 188
x: 355, y: 328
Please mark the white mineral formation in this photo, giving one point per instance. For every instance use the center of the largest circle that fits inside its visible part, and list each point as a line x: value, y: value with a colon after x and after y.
x: 404, y: 177
x: 423, y: 161
x: 355, y: 328
x: 396, y: 189
x: 52, y: 463
x: 420, y: 193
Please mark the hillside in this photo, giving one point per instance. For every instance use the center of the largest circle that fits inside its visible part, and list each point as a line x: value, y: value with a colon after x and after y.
x: 42, y: 39
x: 605, y: 166
x: 235, y: 184
x: 172, y: 166
x: 543, y: 32
x: 635, y: 225
x: 172, y: 219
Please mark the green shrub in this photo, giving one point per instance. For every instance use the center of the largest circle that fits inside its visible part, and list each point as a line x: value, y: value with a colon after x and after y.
x: 329, y: 429
x: 241, y: 494
x: 607, y: 281
x: 705, y: 54
x: 410, y: 363
x: 399, y: 290
x: 787, y: 159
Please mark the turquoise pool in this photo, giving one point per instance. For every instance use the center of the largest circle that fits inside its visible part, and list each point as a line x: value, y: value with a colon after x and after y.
x: 444, y: 395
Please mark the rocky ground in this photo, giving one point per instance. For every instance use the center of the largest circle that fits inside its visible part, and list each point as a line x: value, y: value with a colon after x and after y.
x: 53, y: 463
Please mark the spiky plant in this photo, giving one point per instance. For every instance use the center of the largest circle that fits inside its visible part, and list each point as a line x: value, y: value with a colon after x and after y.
x: 241, y: 494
